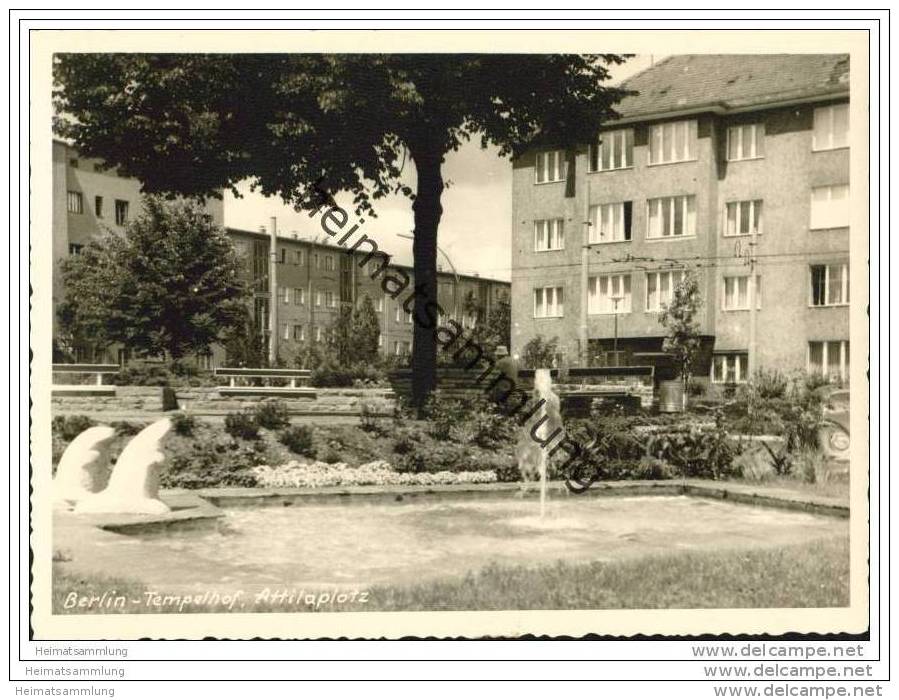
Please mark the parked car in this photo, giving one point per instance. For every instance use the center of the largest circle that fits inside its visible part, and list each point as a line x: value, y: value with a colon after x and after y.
x: 833, y: 435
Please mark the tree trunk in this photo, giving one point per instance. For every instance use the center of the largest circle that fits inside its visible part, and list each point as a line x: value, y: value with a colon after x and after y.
x: 427, y: 210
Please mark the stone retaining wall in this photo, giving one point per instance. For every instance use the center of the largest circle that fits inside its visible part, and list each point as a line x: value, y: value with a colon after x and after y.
x: 206, y: 400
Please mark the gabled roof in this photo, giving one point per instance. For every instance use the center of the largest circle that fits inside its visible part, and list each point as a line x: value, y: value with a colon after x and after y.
x: 733, y: 82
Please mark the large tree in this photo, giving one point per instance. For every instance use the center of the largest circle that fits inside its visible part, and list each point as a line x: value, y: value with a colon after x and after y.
x: 679, y: 319
x: 171, y: 284
x: 349, y: 122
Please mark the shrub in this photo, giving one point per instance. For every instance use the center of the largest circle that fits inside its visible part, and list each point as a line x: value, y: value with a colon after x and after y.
x: 70, y: 427
x: 298, y: 440
x: 184, y: 424
x: 652, y: 468
x: 491, y: 429
x: 242, y: 425
x: 271, y: 414
x: 769, y: 384
x: 436, y: 457
x: 125, y: 428
x: 143, y: 375
x: 370, y: 422
x: 212, y: 464
x: 443, y: 415
x: 406, y: 440
x: 695, y: 388
x: 694, y: 451
x: 539, y: 353
x: 332, y: 454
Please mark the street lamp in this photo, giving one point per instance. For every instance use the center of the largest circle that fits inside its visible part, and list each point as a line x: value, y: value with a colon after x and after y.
x: 455, y: 275
x: 615, y: 300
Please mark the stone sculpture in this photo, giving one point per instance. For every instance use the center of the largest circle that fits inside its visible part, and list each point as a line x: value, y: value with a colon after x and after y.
x: 134, y: 483
x: 84, y: 467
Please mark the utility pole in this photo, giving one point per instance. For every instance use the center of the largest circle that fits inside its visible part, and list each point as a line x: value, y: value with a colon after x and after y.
x: 585, y: 259
x: 753, y: 303
x: 273, y: 292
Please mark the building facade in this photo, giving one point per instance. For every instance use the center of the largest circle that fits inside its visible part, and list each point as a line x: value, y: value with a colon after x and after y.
x: 88, y: 199
x: 731, y: 167
x: 314, y: 279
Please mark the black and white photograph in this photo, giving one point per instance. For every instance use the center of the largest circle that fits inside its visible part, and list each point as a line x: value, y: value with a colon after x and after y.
x: 381, y: 335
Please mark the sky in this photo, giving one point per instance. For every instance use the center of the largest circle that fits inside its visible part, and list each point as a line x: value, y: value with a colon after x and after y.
x: 475, y: 231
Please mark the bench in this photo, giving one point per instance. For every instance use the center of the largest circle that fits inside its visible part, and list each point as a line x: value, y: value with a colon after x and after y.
x: 296, y: 377
x: 98, y: 388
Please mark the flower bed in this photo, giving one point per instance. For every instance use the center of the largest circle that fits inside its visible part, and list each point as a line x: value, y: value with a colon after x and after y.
x: 295, y: 474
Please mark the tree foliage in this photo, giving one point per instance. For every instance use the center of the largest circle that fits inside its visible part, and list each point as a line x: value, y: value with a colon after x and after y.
x: 170, y: 284
x: 679, y: 320
x: 193, y: 123
x: 353, y: 335
x: 491, y: 329
x: 539, y: 353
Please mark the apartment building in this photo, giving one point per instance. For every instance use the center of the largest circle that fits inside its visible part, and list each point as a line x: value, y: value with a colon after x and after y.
x: 720, y: 165
x: 314, y: 279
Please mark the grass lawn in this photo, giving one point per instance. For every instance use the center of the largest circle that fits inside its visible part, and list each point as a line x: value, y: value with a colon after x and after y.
x: 809, y: 575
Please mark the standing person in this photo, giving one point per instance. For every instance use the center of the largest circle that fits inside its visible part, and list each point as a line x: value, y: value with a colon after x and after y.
x: 507, y: 366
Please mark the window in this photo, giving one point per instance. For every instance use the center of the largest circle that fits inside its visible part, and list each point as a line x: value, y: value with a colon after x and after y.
x: 409, y: 317
x: 285, y: 331
x: 317, y: 333
x: 73, y: 162
x: 282, y: 256
x: 548, y: 302
x: 98, y: 207
x: 614, y: 151
x: 299, y: 295
x: 315, y: 261
x: 550, y: 166
x: 329, y: 262
x: 401, y: 347
x: 75, y: 248
x: 603, y: 292
x: 830, y: 207
x: 318, y: 298
x: 298, y: 257
x: 730, y: 368
x: 380, y: 340
x: 396, y: 313
x: 745, y: 141
x: 660, y: 288
x: 611, y: 222
x: 121, y: 212
x: 330, y: 299
x: 830, y: 284
x: 829, y: 358
x: 672, y: 142
x: 74, y: 202
x: 298, y: 332
x: 737, y: 291
x: 743, y: 218
x: 672, y: 216
x: 549, y: 234
x: 379, y: 305
x: 285, y: 295
x: 831, y: 127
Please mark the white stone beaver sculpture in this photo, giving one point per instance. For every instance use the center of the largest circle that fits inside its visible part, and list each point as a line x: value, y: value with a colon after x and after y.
x: 84, y: 467
x: 134, y: 483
